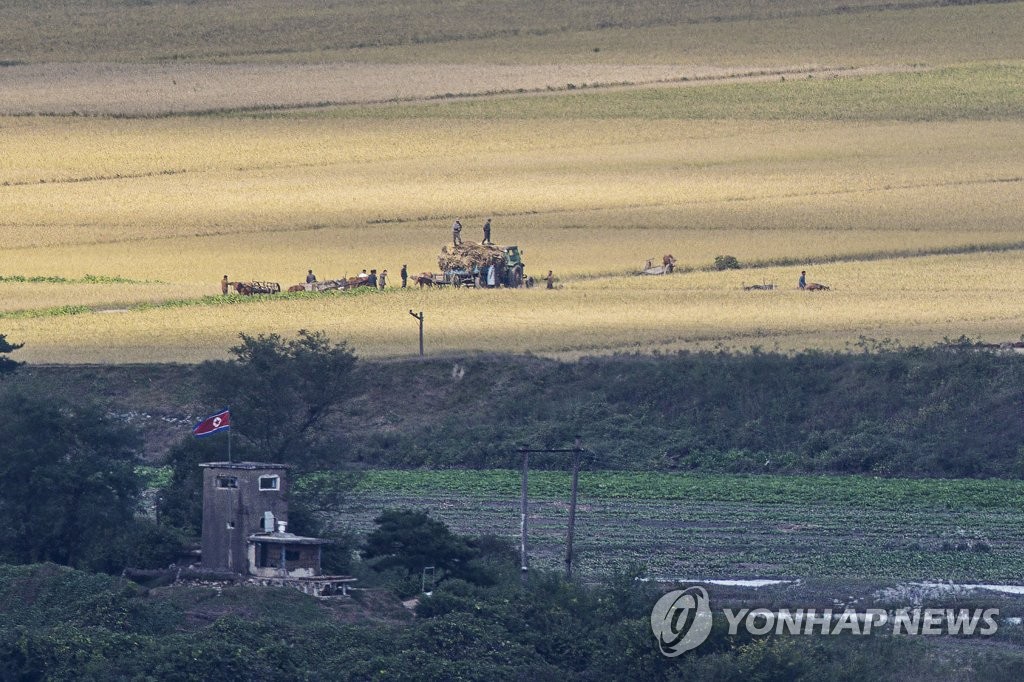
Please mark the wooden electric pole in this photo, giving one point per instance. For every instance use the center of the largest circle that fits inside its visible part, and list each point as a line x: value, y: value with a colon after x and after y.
x: 577, y: 451
x: 524, y: 559
x: 572, y: 507
x: 420, y: 318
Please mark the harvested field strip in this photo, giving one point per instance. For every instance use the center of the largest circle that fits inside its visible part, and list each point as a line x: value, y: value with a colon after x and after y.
x: 972, y: 92
x: 177, y: 89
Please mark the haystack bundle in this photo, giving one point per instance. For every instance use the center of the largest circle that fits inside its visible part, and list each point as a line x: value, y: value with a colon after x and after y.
x: 470, y: 255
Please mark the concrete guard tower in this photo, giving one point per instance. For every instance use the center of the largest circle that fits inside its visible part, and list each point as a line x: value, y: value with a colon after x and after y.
x: 245, y: 521
x: 235, y: 497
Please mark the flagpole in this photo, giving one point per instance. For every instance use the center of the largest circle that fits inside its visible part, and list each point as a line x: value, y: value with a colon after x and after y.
x: 229, y: 437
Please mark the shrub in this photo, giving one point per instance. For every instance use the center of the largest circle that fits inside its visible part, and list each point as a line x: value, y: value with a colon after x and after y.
x: 726, y: 263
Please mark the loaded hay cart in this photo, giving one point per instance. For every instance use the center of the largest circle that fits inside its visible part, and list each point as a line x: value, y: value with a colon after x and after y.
x: 481, y: 265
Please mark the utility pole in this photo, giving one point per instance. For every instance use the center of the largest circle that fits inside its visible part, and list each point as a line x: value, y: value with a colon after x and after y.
x: 524, y: 560
x: 577, y: 450
x: 572, y: 507
x: 420, y: 318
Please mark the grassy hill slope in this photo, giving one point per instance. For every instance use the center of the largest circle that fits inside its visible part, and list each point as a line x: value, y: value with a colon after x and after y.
x: 945, y: 411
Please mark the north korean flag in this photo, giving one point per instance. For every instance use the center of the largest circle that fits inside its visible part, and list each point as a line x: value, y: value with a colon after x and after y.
x: 213, y: 424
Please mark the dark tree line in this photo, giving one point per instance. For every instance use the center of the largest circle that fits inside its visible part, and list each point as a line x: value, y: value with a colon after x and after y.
x: 71, y: 491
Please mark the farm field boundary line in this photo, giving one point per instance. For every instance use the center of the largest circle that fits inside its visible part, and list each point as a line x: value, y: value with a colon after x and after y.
x: 96, y: 178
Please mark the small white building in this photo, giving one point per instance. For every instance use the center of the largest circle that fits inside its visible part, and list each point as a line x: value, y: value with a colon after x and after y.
x: 280, y: 554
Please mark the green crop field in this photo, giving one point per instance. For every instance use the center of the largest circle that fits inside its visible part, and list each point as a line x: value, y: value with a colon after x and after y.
x: 723, y: 527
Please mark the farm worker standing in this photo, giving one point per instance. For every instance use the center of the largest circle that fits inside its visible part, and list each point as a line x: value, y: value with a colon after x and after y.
x: 405, y: 276
x: 310, y: 277
x: 224, y: 286
x: 802, y: 282
x: 383, y: 281
x: 490, y: 275
x: 487, y: 232
x: 551, y: 280
x: 456, y: 233
x: 372, y: 279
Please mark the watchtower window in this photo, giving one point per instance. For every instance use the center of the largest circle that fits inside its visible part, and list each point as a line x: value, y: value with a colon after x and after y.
x: 270, y: 482
x: 227, y: 482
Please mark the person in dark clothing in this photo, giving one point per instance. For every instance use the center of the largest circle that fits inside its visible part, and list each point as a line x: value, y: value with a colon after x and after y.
x: 383, y: 280
x: 405, y: 276
x: 372, y: 279
x: 551, y: 280
x: 310, y: 277
x: 802, y: 282
x: 224, y: 286
x: 487, y: 232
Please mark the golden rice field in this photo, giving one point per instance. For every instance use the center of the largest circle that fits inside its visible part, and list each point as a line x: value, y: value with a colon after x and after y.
x: 898, y: 184
x: 917, y: 300
x: 133, y: 181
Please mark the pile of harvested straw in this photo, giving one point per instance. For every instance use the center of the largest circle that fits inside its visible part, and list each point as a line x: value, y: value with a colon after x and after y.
x: 470, y: 255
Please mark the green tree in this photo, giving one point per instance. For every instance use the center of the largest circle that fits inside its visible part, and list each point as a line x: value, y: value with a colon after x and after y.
x: 69, y: 480
x: 282, y: 392
x: 180, y: 504
x: 411, y: 540
x: 6, y: 364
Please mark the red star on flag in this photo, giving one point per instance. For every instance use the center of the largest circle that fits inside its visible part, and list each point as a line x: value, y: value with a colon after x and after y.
x: 213, y: 424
